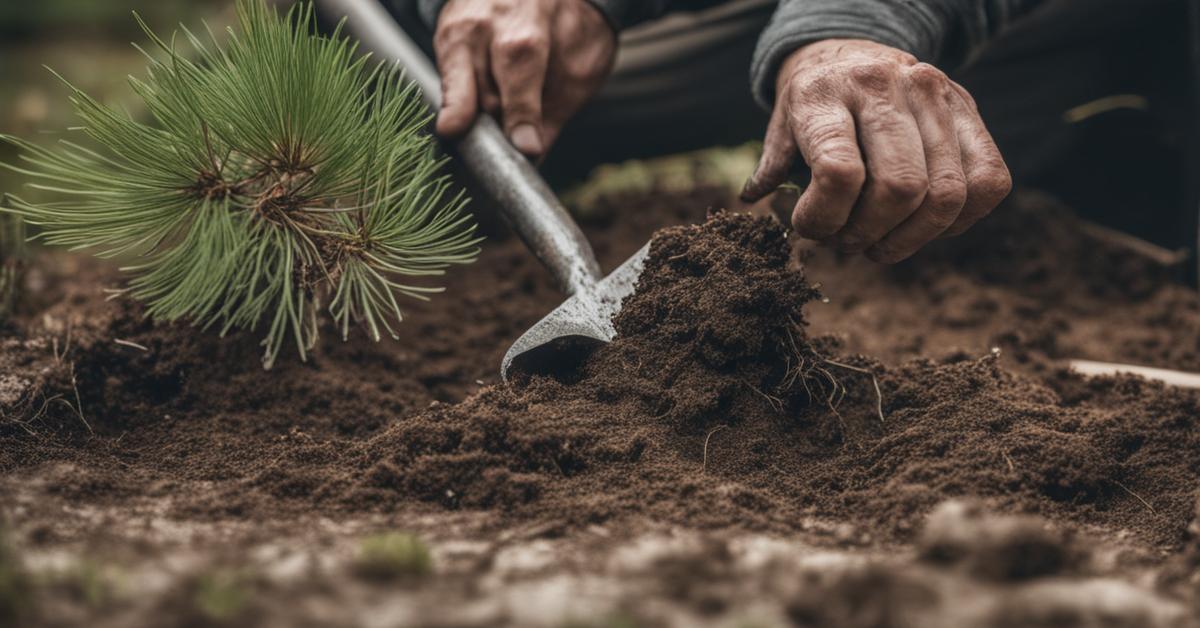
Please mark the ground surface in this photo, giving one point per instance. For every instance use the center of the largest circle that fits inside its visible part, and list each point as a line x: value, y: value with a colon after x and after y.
x: 707, y: 469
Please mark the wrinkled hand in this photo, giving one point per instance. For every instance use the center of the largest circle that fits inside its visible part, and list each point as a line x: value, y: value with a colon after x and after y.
x: 898, y: 152
x: 531, y: 63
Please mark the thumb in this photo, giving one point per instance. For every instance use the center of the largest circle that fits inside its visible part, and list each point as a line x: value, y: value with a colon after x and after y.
x: 779, y: 152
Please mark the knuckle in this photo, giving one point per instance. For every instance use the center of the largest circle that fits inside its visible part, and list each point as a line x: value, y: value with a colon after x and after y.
x: 838, y: 172
x: 926, y: 77
x: 873, y: 75
x: 810, y: 85
x: 902, y: 188
x: 992, y: 186
x: 518, y: 47
x: 459, y: 28
x: 947, y: 193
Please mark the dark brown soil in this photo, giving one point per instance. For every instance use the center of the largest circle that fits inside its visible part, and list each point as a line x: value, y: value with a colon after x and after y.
x: 733, y: 397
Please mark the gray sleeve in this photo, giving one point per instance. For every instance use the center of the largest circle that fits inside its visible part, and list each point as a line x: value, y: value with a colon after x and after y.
x: 620, y: 13
x: 942, y: 32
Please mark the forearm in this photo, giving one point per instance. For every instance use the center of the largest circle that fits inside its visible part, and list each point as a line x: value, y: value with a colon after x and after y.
x: 942, y: 32
x: 620, y: 13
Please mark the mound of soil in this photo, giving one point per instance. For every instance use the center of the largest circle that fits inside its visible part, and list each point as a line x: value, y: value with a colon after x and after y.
x: 712, y: 408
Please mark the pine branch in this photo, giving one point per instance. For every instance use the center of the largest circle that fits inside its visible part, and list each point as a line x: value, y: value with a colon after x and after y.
x: 278, y: 170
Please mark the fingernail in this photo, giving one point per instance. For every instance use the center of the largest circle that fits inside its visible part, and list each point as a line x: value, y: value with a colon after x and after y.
x: 748, y: 190
x: 527, y: 139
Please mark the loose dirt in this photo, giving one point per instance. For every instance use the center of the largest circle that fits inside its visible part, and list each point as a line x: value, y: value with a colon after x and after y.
x: 739, y: 399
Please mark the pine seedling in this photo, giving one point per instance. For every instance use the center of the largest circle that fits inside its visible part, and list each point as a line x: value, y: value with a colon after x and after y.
x: 279, y: 175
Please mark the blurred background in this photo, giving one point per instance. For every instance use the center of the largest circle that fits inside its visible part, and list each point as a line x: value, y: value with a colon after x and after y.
x: 89, y: 42
x: 1119, y: 153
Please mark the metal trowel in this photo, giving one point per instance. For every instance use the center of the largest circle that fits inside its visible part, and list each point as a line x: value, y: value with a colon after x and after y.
x: 527, y: 202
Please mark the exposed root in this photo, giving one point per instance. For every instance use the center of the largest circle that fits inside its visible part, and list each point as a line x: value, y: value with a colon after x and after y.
x: 130, y: 343
x: 810, y: 371
x: 775, y: 402
x: 704, y: 462
x: 78, y: 406
x: 1135, y: 496
x: 66, y: 348
x: 874, y: 380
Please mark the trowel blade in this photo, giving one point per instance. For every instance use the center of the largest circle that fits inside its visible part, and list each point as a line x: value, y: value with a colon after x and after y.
x: 582, y: 320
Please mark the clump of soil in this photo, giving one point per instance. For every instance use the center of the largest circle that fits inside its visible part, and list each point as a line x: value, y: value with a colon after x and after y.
x: 714, y: 335
x: 719, y: 318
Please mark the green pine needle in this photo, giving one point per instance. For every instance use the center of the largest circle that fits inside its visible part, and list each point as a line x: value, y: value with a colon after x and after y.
x: 280, y: 171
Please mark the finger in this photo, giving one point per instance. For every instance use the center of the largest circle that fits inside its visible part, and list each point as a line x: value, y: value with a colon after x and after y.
x: 987, y: 176
x: 485, y: 84
x: 827, y: 140
x: 779, y: 151
x: 460, y: 101
x: 947, y: 191
x: 519, y: 62
x: 897, y: 178
x: 458, y: 51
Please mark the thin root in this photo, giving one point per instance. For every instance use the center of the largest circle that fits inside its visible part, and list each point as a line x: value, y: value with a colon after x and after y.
x: 775, y: 402
x: 704, y: 462
x: 1136, y: 496
x: 130, y: 343
x: 874, y: 380
x: 78, y: 405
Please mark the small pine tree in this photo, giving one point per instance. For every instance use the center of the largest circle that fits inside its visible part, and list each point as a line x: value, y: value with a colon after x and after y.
x: 279, y: 171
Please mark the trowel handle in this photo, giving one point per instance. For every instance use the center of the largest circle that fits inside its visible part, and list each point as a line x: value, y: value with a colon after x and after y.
x: 529, y: 204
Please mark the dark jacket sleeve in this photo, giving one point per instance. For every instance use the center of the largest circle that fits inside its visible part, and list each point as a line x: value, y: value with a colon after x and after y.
x: 620, y: 13
x: 942, y: 32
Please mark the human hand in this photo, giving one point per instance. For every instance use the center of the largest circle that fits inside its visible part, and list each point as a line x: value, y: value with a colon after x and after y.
x: 531, y: 63
x: 898, y: 152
